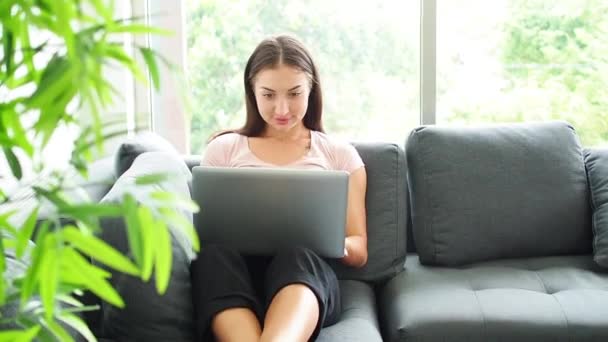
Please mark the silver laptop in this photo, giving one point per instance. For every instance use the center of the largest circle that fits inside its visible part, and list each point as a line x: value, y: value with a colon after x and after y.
x: 260, y: 210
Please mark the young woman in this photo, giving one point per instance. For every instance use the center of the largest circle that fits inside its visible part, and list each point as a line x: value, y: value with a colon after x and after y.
x: 297, y: 293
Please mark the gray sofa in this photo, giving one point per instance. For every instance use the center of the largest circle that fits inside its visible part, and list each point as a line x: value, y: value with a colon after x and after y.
x: 502, y: 227
x: 484, y: 234
x: 150, y: 317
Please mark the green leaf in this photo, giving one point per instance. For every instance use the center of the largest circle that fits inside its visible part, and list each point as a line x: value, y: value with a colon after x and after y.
x: 150, y: 60
x: 77, y: 270
x: 88, y: 98
x: 11, y: 121
x: 65, y: 13
x: 56, y: 77
x: 33, y: 272
x: 13, y: 162
x: 49, y: 277
x: 92, y: 210
x: 55, y: 113
x: 175, y: 201
x: 139, y: 29
x: 6, y: 141
x: 77, y: 258
x: 5, y: 224
x: 19, y: 335
x: 133, y: 228
x: 7, y: 39
x: 9, y: 244
x: 99, y: 250
x: 16, y: 82
x: 153, y: 178
x: 67, y: 299
x: 184, y: 225
x: 77, y: 324
x: 25, y: 234
x: 163, y: 257
x: 57, y: 330
x: 104, y: 90
x: 56, y: 89
x: 28, y: 55
x: 2, y: 269
x: 52, y: 196
x: 28, y: 335
x: 117, y: 52
x: 5, y: 9
x: 102, y: 9
x: 146, y: 221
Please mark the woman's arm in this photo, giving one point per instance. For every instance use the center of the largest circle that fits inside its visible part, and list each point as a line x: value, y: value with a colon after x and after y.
x: 356, y: 226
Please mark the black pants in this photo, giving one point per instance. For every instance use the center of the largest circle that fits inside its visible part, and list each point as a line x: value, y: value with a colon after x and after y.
x: 223, y: 279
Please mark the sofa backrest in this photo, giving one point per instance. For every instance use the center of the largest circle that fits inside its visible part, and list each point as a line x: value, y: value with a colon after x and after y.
x: 488, y: 192
x: 386, y: 205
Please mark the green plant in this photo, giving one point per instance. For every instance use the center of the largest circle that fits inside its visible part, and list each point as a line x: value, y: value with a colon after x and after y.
x: 53, y: 64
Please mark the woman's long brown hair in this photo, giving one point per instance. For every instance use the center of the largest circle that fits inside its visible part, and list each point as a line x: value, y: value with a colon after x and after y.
x: 271, y: 53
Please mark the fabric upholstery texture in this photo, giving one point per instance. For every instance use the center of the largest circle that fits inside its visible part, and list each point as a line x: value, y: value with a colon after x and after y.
x: 386, y: 205
x: 534, y: 299
x: 500, y: 191
x: 596, y: 162
x: 358, y: 322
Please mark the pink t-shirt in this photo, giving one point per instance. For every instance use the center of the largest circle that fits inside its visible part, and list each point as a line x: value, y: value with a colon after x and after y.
x: 325, y: 153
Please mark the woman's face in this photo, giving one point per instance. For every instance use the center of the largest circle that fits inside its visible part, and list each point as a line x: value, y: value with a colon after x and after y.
x: 282, y: 97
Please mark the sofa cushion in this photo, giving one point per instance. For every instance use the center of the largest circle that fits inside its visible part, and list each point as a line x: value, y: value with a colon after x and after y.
x: 192, y: 160
x: 358, y: 321
x: 148, y: 316
x: 386, y: 205
x: 99, y: 180
x: 133, y: 147
x: 596, y: 161
x: 497, y: 191
x: 536, y: 299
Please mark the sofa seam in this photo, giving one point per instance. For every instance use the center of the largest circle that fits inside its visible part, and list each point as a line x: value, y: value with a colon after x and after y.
x: 397, y: 201
x: 590, y: 184
x: 542, y: 282
x: 428, y: 223
x: 565, y: 317
x: 483, y: 316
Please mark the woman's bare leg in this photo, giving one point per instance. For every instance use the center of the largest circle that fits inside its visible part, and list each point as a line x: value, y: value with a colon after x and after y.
x: 236, y: 324
x: 292, y: 315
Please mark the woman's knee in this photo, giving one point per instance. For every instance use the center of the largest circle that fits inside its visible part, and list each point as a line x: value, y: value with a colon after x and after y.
x: 297, y: 265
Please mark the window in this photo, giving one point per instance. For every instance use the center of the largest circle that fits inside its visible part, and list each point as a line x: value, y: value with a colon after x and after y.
x: 367, y: 53
x: 482, y: 61
x: 524, y: 60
